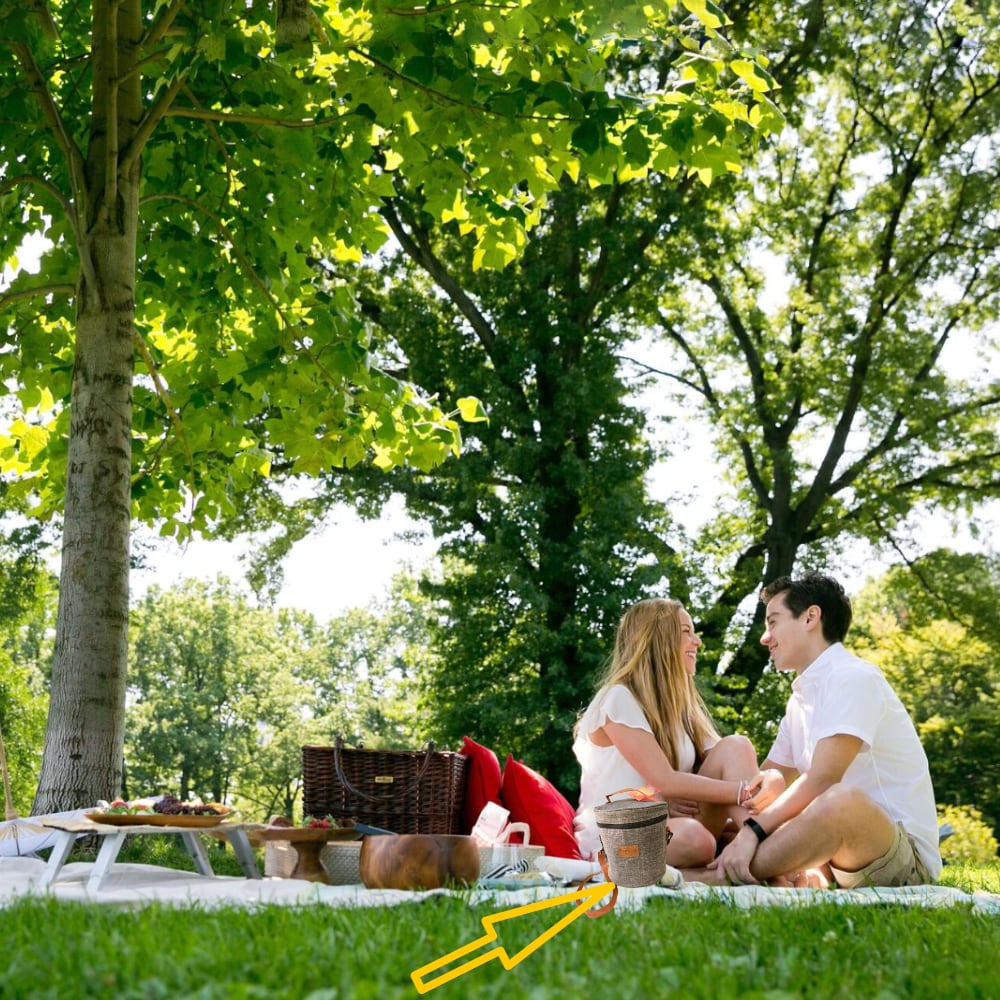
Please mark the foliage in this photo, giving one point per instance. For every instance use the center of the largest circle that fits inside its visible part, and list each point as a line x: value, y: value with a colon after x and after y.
x: 841, y: 231
x: 763, y: 712
x: 481, y: 112
x: 224, y: 695
x: 22, y: 725
x: 213, y: 695
x: 544, y: 519
x: 932, y: 629
x: 27, y: 610
x: 820, y: 313
x: 248, y: 360
x: 364, y: 685
x: 547, y: 531
x: 972, y: 842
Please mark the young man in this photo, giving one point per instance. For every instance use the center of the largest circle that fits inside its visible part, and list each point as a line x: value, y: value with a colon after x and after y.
x: 859, y: 798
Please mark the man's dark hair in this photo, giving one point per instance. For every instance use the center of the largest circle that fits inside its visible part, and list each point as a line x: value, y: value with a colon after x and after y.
x: 815, y: 588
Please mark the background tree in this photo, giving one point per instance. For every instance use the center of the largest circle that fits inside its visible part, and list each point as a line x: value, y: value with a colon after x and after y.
x: 206, y: 275
x: 547, y: 529
x: 27, y: 612
x: 223, y: 694
x: 822, y: 314
x: 214, y: 684
x: 932, y: 627
x: 811, y: 312
x: 366, y: 682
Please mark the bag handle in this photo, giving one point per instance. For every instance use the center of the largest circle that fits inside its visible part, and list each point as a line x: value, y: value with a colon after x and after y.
x: 610, y: 905
x: 522, y: 828
x: 338, y: 746
x: 645, y: 794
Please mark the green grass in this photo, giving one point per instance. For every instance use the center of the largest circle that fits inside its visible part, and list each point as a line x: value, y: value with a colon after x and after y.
x: 671, y: 948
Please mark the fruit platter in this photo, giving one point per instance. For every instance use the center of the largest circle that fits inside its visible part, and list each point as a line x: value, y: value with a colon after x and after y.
x: 319, y: 829
x: 166, y: 810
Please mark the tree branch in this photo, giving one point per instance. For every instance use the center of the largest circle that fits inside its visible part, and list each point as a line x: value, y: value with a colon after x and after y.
x: 150, y: 120
x: 205, y: 114
x: 9, y: 183
x: 418, y: 248
x: 159, y: 28
x: 6, y: 298
x: 164, y: 395
x: 36, y: 83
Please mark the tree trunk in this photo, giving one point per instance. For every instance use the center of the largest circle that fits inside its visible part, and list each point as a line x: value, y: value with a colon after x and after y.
x: 292, y: 25
x: 82, y: 761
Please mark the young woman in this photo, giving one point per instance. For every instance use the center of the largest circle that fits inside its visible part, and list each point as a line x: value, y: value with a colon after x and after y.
x: 648, y: 725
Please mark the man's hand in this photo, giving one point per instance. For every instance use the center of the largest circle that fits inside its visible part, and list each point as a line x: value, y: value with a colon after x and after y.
x: 733, y: 864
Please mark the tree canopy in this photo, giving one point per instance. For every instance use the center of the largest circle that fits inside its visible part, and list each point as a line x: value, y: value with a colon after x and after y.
x: 189, y: 164
x: 824, y: 315
x: 814, y: 311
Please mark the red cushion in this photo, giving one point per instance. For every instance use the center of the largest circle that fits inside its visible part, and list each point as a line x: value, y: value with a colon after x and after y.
x: 534, y: 800
x: 482, y: 783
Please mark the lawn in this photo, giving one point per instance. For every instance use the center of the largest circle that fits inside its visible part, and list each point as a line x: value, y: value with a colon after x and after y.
x: 672, y: 948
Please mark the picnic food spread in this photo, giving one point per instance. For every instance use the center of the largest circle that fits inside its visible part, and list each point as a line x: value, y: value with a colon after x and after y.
x: 324, y: 823
x: 167, y: 805
x: 165, y: 809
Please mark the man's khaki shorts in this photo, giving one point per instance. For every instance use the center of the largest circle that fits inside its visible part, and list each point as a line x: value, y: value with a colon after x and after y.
x: 900, y: 865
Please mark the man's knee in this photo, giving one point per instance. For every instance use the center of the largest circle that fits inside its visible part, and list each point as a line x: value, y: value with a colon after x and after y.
x: 844, y: 802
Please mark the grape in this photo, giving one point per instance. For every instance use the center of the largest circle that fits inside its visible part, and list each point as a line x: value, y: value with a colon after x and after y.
x: 170, y: 805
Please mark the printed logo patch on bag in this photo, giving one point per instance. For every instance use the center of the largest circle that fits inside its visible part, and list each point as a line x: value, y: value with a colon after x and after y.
x: 628, y: 851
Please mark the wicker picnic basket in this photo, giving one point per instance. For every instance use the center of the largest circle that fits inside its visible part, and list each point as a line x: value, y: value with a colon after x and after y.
x: 404, y: 791
x: 635, y: 835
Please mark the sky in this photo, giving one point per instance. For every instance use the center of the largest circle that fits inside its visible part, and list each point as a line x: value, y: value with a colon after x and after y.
x: 347, y: 565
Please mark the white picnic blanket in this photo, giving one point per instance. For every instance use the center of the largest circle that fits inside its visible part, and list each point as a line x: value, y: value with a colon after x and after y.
x: 132, y: 885
x: 26, y: 835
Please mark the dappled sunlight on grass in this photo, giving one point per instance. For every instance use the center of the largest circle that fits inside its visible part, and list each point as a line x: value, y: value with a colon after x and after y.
x: 972, y: 878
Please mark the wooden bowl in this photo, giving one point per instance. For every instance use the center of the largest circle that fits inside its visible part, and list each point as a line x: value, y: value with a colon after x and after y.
x: 418, y: 861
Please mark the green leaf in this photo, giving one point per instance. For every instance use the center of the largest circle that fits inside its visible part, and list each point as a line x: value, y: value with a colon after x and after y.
x: 420, y: 68
x: 587, y: 137
x: 471, y: 410
x: 755, y: 77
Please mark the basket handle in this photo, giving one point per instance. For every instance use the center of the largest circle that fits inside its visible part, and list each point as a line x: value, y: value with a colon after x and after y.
x: 338, y: 746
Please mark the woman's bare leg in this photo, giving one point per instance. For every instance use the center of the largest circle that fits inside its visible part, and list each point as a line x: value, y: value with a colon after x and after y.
x: 733, y: 758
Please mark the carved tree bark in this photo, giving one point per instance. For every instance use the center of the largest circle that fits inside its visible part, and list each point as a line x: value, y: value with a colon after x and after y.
x: 80, y: 763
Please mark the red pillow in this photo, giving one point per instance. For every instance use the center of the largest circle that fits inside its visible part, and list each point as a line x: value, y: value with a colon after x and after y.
x: 482, y: 782
x: 534, y: 800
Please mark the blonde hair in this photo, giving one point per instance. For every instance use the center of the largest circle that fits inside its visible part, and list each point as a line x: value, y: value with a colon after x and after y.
x: 648, y: 660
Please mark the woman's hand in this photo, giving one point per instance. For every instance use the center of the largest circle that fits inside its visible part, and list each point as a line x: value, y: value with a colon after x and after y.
x: 767, y: 786
x: 683, y: 807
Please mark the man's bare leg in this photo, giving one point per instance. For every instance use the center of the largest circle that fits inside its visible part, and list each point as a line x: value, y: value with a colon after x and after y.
x: 842, y: 827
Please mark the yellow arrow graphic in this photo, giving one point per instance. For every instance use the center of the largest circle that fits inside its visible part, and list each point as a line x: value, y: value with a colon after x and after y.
x: 587, y: 897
